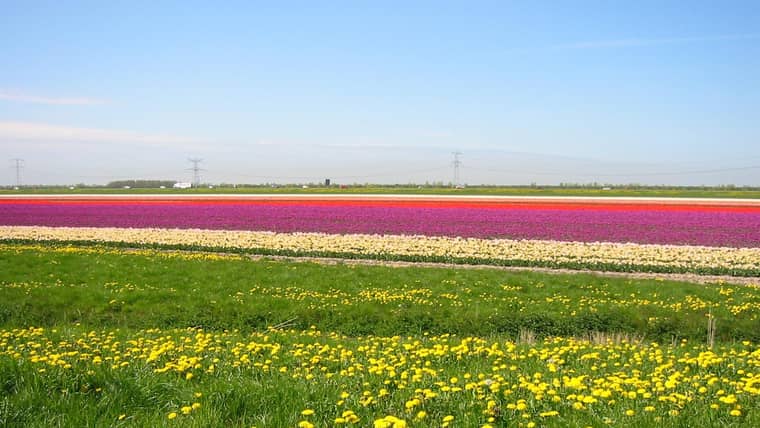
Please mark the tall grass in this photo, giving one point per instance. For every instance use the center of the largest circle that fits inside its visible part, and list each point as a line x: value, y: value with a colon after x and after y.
x: 104, y: 287
x: 104, y: 337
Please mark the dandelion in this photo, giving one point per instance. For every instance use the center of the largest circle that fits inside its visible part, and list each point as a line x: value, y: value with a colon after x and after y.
x: 389, y: 422
x: 410, y: 404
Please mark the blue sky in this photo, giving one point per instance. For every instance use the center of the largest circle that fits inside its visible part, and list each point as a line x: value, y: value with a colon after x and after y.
x: 650, y: 92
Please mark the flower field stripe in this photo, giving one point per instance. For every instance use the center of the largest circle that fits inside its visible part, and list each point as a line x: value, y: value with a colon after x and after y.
x: 573, y: 255
x: 644, y: 200
x: 678, y: 224
x: 470, y: 204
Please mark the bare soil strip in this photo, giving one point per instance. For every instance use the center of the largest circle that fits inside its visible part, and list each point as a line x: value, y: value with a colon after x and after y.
x: 683, y: 277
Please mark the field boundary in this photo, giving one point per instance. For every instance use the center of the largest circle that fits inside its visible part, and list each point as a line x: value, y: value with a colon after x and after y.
x: 682, y: 277
x: 357, y: 260
x: 392, y: 257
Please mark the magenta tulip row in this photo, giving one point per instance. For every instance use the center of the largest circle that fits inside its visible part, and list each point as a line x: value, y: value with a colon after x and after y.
x: 729, y: 229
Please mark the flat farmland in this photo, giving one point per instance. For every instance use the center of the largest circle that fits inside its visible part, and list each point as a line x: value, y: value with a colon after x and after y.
x: 617, y: 234
x: 148, y: 311
x: 645, y: 221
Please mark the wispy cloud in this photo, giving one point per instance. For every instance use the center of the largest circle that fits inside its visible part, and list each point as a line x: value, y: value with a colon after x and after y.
x: 359, y: 146
x: 38, y: 99
x: 637, y: 42
x: 51, y: 135
x: 436, y: 134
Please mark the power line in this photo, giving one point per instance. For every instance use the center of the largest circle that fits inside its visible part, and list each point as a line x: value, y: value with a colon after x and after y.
x: 632, y: 174
x: 456, y: 163
x: 19, y: 164
x: 196, y: 170
x: 388, y: 174
x: 702, y: 171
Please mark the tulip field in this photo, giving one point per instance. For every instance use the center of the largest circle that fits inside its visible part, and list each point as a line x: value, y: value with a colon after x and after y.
x: 716, y: 224
x: 708, y: 237
x: 259, y: 311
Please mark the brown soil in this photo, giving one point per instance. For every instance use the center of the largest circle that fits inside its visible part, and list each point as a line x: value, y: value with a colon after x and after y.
x: 685, y: 277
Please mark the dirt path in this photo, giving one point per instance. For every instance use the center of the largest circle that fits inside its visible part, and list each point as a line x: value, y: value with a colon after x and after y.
x: 686, y: 277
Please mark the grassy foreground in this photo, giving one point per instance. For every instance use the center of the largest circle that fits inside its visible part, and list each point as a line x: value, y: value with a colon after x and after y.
x: 105, y: 337
x: 191, y: 377
x: 107, y: 287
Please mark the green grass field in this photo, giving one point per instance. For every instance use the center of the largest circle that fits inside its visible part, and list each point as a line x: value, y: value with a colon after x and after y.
x: 102, y: 287
x: 675, y: 192
x: 95, y: 336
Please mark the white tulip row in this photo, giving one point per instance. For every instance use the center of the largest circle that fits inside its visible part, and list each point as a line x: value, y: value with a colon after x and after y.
x: 502, y: 251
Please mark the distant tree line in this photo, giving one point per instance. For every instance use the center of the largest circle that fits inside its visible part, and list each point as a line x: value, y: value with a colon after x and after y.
x: 637, y: 186
x: 155, y: 184
x: 140, y: 184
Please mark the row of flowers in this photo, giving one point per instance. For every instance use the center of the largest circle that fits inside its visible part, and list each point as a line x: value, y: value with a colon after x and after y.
x: 555, y: 254
x: 647, y: 224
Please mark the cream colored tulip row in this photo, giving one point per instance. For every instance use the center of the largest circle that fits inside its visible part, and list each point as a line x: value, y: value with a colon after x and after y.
x: 676, y: 257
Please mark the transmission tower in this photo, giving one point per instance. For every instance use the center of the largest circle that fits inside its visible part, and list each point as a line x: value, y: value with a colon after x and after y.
x: 456, y: 164
x: 196, y: 171
x: 19, y: 164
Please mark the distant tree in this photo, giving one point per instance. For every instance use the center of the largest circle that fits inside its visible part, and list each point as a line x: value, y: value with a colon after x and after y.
x: 140, y: 184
